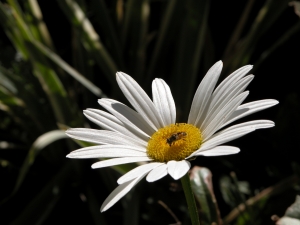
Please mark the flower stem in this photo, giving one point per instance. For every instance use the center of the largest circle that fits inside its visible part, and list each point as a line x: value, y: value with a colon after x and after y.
x: 186, y: 184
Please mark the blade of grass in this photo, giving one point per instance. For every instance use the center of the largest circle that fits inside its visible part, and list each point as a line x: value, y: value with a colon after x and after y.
x: 283, y: 38
x: 8, y: 99
x: 189, y: 51
x: 66, y: 67
x: 239, y: 28
x: 11, y: 29
x: 129, y: 7
x: 134, y: 36
x: 132, y: 207
x: 32, y: 112
x: 38, y: 23
x: 198, y: 49
x: 83, y: 62
x: 40, y: 143
x: 90, y: 38
x: 48, y: 78
x: 19, y: 19
x: 208, y: 51
x: 106, y: 23
x: 240, y: 198
x: 267, y: 15
x: 141, y: 44
x: 6, y: 82
x: 55, y: 91
x: 94, y: 206
x: 163, y: 39
x: 119, y: 11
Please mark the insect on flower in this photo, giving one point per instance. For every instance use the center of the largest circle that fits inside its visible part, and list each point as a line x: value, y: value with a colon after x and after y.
x: 175, y: 137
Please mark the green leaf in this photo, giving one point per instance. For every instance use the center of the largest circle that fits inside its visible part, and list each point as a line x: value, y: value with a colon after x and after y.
x: 201, y: 182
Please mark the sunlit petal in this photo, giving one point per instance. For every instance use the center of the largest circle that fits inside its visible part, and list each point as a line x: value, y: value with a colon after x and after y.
x: 119, y: 161
x: 132, y: 174
x: 163, y: 100
x: 178, y: 169
x: 157, y: 173
x: 202, y: 96
x: 139, y: 100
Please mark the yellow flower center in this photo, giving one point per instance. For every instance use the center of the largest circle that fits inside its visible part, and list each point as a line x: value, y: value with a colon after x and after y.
x: 174, y: 142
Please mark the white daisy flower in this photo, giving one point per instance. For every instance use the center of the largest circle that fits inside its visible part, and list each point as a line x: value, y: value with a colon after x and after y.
x: 151, y: 134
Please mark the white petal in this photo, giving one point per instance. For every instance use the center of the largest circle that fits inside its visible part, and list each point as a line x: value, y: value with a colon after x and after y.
x: 228, y: 95
x: 119, y: 161
x: 164, y: 102
x: 178, y: 169
x: 130, y: 119
x: 119, y: 192
x: 219, y: 119
x: 233, y: 132
x: 232, y: 79
x: 203, y: 94
x: 220, y: 138
x: 108, y: 151
x: 139, y: 100
x: 103, y: 137
x: 132, y: 174
x: 255, y: 124
x: 107, y: 121
x: 249, y: 108
x: 157, y: 173
x: 219, y: 150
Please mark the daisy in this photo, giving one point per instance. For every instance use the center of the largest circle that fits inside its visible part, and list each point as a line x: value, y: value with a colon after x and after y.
x: 150, y: 132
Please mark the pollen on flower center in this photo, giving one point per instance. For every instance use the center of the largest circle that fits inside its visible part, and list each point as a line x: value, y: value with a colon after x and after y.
x: 174, y: 142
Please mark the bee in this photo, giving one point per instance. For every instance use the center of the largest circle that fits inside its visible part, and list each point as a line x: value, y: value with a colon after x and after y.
x: 176, y: 137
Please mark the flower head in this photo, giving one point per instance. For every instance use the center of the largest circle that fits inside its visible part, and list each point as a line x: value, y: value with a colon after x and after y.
x: 150, y: 132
